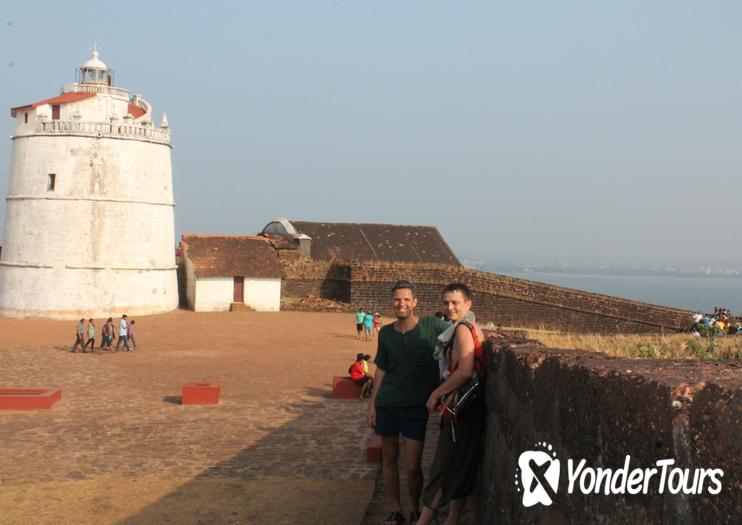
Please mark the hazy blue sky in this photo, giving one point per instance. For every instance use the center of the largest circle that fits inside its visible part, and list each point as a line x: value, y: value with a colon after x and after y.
x: 591, y: 132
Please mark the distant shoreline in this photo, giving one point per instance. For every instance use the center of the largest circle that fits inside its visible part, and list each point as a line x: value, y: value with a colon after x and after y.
x: 624, y: 274
x: 614, y: 272
x: 690, y: 292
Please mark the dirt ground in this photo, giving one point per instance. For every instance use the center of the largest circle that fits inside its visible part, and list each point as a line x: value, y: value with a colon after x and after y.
x: 119, y: 448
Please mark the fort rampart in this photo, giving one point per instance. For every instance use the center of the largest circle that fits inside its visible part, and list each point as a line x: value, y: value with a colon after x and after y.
x: 601, y: 409
x: 500, y: 299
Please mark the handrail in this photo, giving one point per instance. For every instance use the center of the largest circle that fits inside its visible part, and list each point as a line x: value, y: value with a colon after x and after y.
x: 116, y: 129
x: 92, y: 88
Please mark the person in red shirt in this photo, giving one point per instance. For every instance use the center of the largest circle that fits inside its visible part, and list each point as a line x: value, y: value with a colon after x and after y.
x: 360, y: 377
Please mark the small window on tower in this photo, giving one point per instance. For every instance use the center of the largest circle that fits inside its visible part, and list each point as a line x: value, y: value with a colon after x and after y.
x: 25, y: 118
x: 51, y: 182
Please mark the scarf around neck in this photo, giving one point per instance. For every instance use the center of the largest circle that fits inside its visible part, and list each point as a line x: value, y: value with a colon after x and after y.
x: 445, y: 339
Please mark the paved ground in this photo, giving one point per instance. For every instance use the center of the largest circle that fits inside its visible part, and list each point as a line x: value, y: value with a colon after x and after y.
x: 119, y: 448
x: 378, y: 509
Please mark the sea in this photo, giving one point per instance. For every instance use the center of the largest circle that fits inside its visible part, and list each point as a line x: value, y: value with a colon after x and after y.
x: 690, y: 293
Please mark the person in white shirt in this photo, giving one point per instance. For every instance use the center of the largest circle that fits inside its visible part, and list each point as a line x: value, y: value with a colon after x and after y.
x: 123, y: 334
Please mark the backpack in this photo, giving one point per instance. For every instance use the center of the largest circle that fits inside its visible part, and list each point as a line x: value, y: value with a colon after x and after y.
x: 458, y: 401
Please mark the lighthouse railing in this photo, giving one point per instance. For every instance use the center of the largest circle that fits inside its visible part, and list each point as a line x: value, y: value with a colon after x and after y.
x: 106, y: 129
x: 93, y: 88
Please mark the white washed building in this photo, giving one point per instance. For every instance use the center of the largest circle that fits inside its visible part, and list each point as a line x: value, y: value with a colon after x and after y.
x: 89, y: 225
x: 223, y: 272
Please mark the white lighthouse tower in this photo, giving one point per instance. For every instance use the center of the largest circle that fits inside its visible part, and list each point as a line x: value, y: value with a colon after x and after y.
x: 89, y: 227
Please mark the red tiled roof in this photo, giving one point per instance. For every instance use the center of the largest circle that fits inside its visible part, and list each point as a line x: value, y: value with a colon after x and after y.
x: 231, y: 256
x: 135, y: 111
x: 376, y: 242
x: 64, y: 98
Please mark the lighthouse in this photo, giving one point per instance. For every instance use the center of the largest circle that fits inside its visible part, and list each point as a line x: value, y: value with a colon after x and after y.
x: 89, y: 220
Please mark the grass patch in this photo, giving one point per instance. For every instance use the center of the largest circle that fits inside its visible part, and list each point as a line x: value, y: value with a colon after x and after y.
x: 647, y: 346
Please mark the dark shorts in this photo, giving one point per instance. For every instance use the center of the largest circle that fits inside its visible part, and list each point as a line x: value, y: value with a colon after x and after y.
x: 410, y: 421
x: 362, y: 380
x: 359, y: 326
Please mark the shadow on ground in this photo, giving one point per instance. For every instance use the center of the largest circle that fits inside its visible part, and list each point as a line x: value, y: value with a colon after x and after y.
x: 310, y: 469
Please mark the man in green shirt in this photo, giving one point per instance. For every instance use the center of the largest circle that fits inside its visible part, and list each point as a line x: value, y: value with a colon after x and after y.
x: 406, y: 374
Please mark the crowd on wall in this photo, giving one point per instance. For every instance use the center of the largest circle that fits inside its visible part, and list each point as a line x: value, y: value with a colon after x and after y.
x: 720, y: 322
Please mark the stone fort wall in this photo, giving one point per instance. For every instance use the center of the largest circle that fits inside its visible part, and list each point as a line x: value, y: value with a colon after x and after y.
x: 601, y: 409
x: 500, y: 299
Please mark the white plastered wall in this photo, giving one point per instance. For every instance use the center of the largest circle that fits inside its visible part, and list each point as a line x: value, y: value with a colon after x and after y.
x: 263, y: 294
x: 213, y: 294
x: 103, y: 240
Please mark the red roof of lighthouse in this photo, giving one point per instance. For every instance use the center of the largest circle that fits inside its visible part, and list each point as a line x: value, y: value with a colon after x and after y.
x: 64, y: 98
x: 135, y: 111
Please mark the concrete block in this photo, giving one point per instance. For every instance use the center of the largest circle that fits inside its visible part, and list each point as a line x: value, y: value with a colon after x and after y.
x: 344, y: 388
x: 28, y: 398
x: 200, y: 394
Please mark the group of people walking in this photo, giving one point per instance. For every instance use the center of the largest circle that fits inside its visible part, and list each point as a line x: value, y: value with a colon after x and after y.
x: 367, y: 324
x: 423, y: 365
x: 85, y: 335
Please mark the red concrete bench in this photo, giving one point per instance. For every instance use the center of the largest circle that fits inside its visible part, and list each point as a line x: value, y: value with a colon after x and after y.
x: 28, y: 398
x: 373, y: 449
x: 200, y: 394
x: 344, y: 388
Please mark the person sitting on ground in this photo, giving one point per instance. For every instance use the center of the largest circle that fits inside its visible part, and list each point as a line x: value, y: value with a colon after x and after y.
x: 360, y: 377
x: 79, y: 336
x: 91, y: 336
x: 364, y: 364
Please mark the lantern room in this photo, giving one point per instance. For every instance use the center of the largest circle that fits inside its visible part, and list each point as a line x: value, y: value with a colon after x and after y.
x: 94, y: 71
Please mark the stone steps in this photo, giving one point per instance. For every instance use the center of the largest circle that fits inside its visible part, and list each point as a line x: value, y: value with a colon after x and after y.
x: 240, y: 307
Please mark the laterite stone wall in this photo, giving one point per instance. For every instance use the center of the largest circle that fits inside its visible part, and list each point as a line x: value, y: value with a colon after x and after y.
x: 601, y: 409
x: 513, y: 302
x: 302, y: 276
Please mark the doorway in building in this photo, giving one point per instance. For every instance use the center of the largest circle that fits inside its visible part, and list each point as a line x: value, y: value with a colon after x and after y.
x: 239, y: 290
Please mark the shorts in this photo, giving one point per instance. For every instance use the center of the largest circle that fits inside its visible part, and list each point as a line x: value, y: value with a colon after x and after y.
x: 359, y: 326
x: 410, y: 421
x: 368, y: 329
x: 362, y: 380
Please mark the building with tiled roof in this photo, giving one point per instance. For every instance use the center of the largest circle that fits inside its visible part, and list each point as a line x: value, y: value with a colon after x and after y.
x: 346, y: 242
x: 224, y: 271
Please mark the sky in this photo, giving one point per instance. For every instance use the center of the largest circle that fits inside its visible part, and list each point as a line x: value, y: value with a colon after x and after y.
x: 536, y: 132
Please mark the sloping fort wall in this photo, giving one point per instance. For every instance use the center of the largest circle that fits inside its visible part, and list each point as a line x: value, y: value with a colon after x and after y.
x: 498, y: 298
x: 601, y: 409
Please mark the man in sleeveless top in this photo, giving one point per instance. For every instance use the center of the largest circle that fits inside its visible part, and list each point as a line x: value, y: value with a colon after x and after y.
x: 458, y: 452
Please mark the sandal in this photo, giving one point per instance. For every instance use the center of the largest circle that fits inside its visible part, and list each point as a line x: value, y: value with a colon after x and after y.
x: 395, y: 518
